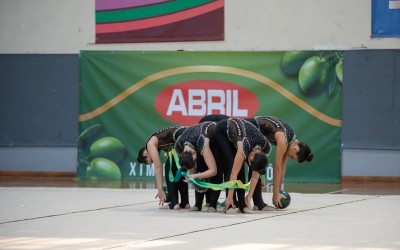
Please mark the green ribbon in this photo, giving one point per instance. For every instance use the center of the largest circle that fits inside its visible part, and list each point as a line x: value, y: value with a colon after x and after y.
x: 173, y: 154
x: 229, y: 184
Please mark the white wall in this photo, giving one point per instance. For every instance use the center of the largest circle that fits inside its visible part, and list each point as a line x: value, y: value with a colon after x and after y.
x: 68, y: 26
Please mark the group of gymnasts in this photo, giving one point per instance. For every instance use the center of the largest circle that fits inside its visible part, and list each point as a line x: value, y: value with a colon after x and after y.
x: 217, y: 150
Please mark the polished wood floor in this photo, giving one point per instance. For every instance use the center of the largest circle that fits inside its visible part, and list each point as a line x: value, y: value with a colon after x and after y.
x: 347, y: 187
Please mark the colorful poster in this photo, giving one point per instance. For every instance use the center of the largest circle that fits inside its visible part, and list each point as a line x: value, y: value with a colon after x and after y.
x: 125, y: 96
x: 134, y: 21
x: 385, y: 18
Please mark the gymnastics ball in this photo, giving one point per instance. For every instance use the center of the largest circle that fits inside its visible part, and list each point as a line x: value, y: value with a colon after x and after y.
x: 198, y: 187
x: 167, y: 198
x: 285, y: 201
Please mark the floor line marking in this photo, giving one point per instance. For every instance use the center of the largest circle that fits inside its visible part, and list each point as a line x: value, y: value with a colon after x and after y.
x: 239, y: 223
x: 337, y: 191
x: 75, y: 212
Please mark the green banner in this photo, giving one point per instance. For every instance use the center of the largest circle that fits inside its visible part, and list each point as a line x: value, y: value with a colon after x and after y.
x: 125, y: 96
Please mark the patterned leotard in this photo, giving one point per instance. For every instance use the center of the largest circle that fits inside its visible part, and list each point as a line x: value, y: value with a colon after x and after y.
x: 242, y: 130
x: 194, y: 137
x: 167, y: 137
x: 269, y: 125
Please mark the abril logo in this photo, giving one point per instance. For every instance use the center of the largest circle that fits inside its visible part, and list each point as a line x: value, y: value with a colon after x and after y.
x: 187, y: 102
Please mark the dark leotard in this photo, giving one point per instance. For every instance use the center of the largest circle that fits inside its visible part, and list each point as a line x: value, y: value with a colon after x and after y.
x: 228, y: 133
x: 194, y: 137
x: 212, y: 196
x: 166, y: 140
x: 268, y: 126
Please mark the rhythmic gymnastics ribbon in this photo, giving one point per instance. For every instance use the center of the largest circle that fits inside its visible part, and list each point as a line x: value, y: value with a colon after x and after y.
x: 173, y: 154
x: 229, y: 184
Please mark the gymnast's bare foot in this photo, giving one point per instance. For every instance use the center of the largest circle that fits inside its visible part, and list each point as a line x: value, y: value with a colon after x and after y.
x: 194, y: 209
x: 211, y: 210
x: 248, y: 210
x: 231, y: 211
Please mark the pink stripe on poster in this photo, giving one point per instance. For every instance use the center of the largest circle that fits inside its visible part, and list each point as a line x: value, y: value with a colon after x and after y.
x: 158, y: 21
x: 121, y: 4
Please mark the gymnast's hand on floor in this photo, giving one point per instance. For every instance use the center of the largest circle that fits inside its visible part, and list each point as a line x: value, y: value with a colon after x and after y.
x: 229, y: 203
x: 161, y: 195
x: 248, y: 201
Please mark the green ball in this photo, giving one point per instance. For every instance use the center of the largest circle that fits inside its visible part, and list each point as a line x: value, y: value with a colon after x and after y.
x: 167, y: 198
x: 285, y: 201
x: 199, y: 188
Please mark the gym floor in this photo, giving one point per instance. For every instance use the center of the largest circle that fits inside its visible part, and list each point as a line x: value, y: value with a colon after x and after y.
x: 61, y: 213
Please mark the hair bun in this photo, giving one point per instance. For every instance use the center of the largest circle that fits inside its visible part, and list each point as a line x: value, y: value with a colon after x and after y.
x: 310, y: 157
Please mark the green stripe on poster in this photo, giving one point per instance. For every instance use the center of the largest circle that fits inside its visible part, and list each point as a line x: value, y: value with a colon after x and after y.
x: 147, y: 11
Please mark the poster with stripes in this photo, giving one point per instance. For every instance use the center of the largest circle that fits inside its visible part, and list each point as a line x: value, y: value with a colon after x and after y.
x: 126, y: 96
x: 140, y: 21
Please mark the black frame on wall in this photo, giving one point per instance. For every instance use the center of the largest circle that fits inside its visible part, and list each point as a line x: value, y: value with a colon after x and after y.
x: 371, y: 99
x: 39, y: 100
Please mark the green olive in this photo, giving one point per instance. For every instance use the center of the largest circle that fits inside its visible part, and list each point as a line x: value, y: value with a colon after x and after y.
x: 88, y: 134
x: 101, y: 168
x: 293, y: 60
x: 108, y: 147
x: 339, y: 70
x: 313, y: 74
